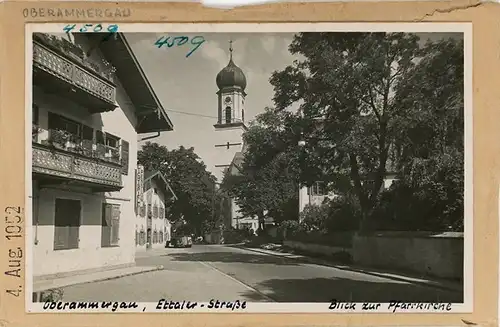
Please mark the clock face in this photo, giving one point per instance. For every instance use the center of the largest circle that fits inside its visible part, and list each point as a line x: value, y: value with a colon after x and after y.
x: 228, y: 100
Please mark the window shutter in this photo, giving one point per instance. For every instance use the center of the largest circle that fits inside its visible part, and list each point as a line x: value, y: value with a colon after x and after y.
x: 106, y: 224
x: 124, y: 156
x: 115, y: 224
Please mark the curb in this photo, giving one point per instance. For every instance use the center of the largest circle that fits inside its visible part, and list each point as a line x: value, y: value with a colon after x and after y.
x: 39, y: 293
x: 305, y: 259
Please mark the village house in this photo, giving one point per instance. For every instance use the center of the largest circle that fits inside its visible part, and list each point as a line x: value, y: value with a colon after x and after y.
x: 90, y: 102
x: 152, y: 229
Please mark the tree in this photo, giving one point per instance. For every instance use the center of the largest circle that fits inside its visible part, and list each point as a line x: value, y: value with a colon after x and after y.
x: 192, y: 183
x: 430, y: 145
x: 355, y: 84
x: 267, y: 179
x: 435, y: 120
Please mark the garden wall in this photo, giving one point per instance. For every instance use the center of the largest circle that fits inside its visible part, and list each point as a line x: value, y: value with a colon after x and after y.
x: 433, y: 254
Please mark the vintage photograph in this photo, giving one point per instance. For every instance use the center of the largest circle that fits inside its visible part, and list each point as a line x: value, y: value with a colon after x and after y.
x: 286, y: 167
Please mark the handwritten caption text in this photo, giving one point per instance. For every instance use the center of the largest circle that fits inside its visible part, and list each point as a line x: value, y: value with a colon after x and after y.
x: 178, y: 41
x: 163, y: 305
x: 392, y: 306
x: 86, y: 28
x: 13, y: 231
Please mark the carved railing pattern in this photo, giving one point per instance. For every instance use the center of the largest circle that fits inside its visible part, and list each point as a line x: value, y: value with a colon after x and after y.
x: 65, y: 69
x: 61, y: 164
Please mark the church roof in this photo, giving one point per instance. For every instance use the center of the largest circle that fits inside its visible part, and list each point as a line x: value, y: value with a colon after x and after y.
x: 231, y: 75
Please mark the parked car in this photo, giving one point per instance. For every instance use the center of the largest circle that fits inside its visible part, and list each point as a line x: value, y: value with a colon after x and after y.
x: 182, y: 241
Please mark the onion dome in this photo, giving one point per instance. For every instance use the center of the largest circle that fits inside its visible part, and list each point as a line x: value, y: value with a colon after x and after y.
x: 231, y: 75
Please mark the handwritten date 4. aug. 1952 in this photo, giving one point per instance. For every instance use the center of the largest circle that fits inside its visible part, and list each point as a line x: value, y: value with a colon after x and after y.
x: 14, y: 230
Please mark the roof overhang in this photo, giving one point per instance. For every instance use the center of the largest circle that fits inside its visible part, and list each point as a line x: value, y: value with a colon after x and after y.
x: 151, y: 116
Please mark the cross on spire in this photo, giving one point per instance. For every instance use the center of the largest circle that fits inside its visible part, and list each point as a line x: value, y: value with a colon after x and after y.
x: 231, y: 49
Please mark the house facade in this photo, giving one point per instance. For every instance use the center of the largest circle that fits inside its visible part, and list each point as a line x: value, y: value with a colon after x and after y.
x: 152, y: 229
x: 235, y: 219
x: 90, y: 102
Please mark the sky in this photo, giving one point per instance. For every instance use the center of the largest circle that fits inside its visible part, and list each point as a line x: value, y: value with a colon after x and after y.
x: 186, y: 85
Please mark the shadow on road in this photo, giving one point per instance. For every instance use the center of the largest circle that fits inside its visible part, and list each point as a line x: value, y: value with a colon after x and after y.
x: 231, y: 257
x: 350, y: 290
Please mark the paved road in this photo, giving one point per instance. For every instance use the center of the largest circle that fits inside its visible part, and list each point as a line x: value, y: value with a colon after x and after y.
x: 212, y: 271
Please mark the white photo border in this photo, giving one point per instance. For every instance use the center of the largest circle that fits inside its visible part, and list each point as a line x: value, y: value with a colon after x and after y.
x: 283, y: 307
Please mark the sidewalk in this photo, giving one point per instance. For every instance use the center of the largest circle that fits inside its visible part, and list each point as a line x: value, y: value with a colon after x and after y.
x: 441, y: 284
x: 49, y: 284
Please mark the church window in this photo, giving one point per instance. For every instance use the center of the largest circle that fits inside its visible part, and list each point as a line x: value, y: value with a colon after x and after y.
x: 243, y: 115
x: 228, y: 115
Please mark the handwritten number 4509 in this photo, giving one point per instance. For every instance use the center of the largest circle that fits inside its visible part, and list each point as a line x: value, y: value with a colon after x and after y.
x: 195, y: 41
x: 90, y: 28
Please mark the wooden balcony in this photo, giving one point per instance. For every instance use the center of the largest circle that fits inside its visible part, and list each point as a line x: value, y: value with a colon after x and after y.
x: 51, y: 165
x: 68, y: 75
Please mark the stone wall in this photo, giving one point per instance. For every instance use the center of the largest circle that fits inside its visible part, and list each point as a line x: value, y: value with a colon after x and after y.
x: 427, y: 254
x: 432, y: 254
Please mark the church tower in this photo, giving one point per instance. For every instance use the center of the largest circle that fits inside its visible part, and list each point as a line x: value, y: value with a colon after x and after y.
x: 230, y: 126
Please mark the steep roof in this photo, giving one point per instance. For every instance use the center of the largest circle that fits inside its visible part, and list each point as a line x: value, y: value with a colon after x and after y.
x: 159, y: 177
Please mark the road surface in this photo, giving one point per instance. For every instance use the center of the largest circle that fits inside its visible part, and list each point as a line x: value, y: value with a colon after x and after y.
x: 204, y: 272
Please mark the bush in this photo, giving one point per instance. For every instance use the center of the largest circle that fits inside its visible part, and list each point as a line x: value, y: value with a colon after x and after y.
x: 289, y: 228
x: 429, y: 197
x: 314, y: 217
x: 344, y: 214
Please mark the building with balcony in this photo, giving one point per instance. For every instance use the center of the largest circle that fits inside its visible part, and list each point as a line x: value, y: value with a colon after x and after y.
x: 154, y: 196
x: 90, y: 102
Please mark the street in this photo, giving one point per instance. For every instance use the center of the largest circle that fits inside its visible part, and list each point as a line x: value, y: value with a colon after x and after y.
x: 220, y: 272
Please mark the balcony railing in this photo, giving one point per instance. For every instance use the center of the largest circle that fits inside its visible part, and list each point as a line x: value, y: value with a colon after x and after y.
x: 72, y: 161
x: 66, y: 71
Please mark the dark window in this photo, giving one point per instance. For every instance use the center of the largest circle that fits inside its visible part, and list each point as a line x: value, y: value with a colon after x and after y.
x: 87, y: 140
x: 161, y: 237
x: 228, y: 115
x: 66, y: 224
x: 112, y: 141
x: 99, y: 137
x: 87, y: 133
x: 155, y: 237
x: 62, y: 123
x: 243, y: 115
x: 110, y: 227
x: 35, y: 111
x: 124, y: 157
x: 317, y: 189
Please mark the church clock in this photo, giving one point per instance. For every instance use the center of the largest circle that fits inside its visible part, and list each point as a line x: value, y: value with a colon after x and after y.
x: 227, y: 100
